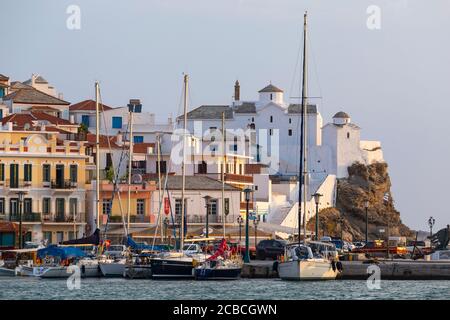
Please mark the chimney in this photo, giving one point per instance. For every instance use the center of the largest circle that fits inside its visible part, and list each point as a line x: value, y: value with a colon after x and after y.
x: 119, y: 139
x: 237, y: 91
x: 33, y: 79
x: 60, y: 96
x: 72, y: 118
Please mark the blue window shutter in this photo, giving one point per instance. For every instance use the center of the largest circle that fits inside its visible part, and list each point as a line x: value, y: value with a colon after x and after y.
x: 1, y: 114
x: 117, y: 122
x: 138, y: 139
x: 85, y: 120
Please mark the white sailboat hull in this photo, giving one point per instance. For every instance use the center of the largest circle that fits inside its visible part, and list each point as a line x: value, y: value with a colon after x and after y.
x: 112, y: 269
x: 86, y: 271
x: 306, y: 270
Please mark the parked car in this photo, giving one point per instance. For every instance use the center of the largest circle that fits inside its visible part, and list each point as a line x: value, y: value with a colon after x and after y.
x: 270, y: 249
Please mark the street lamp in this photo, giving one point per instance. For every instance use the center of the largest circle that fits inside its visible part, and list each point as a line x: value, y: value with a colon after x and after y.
x: 255, y: 223
x: 247, y: 192
x: 240, y: 221
x: 366, y: 205
x: 431, y: 223
x: 207, y: 199
x: 316, y: 200
x: 20, y: 195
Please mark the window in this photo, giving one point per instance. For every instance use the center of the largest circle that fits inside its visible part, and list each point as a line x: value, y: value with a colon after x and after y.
x: 60, y: 209
x: 85, y: 120
x: 73, y: 207
x: 27, y: 172
x: 108, y: 161
x: 2, y: 93
x: 227, y: 206
x: 2, y: 172
x: 71, y: 235
x: 271, y: 96
x: 140, y: 206
x: 162, y: 166
x: 13, y: 206
x: 290, y: 132
x: 256, y: 188
x: 106, y: 206
x: 348, y: 135
x: 2, y: 206
x: 290, y: 120
x: 46, y: 205
x: 253, y: 119
x: 73, y: 173
x: 271, y: 119
x: 270, y: 132
x: 59, y: 236
x: 212, y: 206
x: 117, y: 122
x: 48, y: 236
x: 7, y: 239
x: 202, y: 167
x: 46, y: 173
x: 212, y: 128
x: 138, y: 139
x: 178, y: 207
x: 27, y: 205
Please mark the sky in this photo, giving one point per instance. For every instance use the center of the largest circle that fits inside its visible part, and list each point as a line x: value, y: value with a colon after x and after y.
x: 393, y: 80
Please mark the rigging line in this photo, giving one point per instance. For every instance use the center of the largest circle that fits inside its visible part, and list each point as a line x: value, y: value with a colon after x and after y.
x: 116, y: 175
x: 160, y: 197
x: 311, y: 49
x: 294, y: 75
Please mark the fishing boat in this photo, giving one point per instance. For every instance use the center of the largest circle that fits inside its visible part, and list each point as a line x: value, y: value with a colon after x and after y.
x: 300, y: 262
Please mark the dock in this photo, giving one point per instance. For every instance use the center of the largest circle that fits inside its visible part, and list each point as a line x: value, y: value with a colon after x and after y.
x: 259, y: 269
x: 401, y: 269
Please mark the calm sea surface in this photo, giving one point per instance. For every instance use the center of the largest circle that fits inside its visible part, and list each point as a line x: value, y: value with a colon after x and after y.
x: 104, y: 288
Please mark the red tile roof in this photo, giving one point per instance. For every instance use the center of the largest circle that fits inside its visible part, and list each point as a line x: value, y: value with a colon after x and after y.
x: 88, y: 105
x: 91, y: 139
x: 142, y: 147
x: 20, y: 119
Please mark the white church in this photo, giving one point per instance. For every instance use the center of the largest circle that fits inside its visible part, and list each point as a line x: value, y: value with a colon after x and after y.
x: 331, y: 148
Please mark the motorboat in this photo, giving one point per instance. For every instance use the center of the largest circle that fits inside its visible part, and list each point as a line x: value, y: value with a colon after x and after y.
x: 220, y: 269
x: 301, y: 263
x: 139, y: 267
x: 112, y: 267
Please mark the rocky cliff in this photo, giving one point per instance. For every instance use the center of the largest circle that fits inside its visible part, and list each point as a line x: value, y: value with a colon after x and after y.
x: 365, y: 183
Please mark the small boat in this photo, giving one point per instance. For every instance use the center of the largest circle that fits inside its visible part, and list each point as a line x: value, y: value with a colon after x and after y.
x: 300, y: 263
x: 6, y: 272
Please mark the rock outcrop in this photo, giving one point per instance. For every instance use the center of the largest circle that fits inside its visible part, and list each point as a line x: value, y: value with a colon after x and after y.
x: 365, y: 183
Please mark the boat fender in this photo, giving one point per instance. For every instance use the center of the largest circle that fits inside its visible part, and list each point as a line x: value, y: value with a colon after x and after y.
x: 339, y: 266
x: 333, y: 265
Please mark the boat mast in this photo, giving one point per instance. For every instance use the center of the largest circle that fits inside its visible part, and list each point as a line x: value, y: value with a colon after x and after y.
x: 130, y: 158
x: 183, y: 167
x: 158, y: 144
x: 97, y: 154
x: 223, y: 172
x: 303, y: 172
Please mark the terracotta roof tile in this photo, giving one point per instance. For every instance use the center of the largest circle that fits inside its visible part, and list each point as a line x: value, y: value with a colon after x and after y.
x: 27, y: 94
x: 88, y: 105
x: 20, y: 119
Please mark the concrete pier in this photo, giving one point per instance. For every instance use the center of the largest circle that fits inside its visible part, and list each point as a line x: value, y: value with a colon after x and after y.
x: 398, y: 269
x: 259, y: 269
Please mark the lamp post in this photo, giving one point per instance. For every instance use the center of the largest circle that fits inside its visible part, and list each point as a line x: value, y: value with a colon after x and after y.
x: 255, y: 223
x: 431, y: 223
x: 20, y: 195
x: 317, y: 201
x: 240, y: 221
x: 247, y: 192
x: 207, y: 199
x: 366, y: 205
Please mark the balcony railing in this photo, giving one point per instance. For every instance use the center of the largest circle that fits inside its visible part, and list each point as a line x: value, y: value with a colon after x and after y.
x: 213, y: 218
x: 17, y: 184
x: 26, y: 217
x: 63, y: 184
x: 63, y: 218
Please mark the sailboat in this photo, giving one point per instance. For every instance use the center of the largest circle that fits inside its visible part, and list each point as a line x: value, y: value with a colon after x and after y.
x: 179, y: 264
x: 300, y: 262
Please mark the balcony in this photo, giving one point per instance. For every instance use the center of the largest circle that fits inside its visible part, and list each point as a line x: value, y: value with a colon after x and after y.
x: 17, y: 184
x: 213, y: 218
x: 62, y: 218
x: 26, y: 217
x: 63, y: 184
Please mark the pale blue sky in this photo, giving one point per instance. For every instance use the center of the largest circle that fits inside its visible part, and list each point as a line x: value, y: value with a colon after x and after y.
x: 394, y: 82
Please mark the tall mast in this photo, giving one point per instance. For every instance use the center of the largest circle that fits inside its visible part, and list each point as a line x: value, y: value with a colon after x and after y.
x: 97, y: 154
x: 303, y: 171
x: 183, y: 169
x: 158, y: 141
x: 223, y: 172
x: 130, y: 158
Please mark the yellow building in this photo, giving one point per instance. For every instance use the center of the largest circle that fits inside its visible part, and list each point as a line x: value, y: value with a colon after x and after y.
x: 50, y: 173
